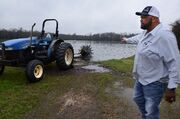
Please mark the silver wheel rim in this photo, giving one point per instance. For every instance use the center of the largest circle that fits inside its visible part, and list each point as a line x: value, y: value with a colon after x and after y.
x: 38, y: 71
x: 68, y: 56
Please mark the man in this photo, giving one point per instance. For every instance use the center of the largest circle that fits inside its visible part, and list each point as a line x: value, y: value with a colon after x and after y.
x: 156, y: 64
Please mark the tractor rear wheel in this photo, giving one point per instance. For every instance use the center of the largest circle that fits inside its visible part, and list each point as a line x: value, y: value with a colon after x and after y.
x: 2, y: 69
x: 35, y: 71
x: 64, y: 56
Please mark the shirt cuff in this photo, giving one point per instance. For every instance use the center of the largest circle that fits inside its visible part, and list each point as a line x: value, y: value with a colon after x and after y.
x: 171, y: 84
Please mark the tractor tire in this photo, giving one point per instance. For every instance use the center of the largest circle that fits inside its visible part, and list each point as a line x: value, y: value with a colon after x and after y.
x: 35, y: 71
x: 2, y: 69
x: 64, y: 56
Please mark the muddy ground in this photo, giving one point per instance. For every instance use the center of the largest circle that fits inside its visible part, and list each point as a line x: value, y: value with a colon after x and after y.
x: 83, y: 103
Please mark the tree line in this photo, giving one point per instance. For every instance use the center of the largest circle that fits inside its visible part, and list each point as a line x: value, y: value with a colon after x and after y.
x: 21, y: 33
x: 15, y: 33
x: 110, y: 36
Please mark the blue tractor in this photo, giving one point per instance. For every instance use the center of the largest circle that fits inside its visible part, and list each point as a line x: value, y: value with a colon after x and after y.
x: 34, y: 53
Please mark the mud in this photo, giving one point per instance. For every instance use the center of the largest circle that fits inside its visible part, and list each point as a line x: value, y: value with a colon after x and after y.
x: 96, y: 68
x: 72, y: 105
x: 79, y: 104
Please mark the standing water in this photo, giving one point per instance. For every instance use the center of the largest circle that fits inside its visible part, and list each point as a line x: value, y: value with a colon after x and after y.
x: 105, y: 50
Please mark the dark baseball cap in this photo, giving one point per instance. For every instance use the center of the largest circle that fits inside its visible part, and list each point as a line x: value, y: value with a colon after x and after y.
x: 149, y: 11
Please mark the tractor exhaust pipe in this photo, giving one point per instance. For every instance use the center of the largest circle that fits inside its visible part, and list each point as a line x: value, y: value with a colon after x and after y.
x: 31, y: 34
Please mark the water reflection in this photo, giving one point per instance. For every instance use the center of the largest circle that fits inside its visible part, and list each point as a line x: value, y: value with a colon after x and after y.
x: 96, y: 68
x: 103, y: 50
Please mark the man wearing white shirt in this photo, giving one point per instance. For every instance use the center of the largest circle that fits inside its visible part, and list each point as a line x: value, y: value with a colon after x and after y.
x: 156, y: 64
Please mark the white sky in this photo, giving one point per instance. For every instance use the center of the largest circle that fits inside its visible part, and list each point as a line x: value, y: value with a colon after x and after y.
x: 83, y: 16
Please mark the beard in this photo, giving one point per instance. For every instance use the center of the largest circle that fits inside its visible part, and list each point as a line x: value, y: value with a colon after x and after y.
x: 147, y: 25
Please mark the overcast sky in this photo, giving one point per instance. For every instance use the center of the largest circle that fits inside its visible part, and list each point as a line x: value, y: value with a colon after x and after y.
x: 84, y: 16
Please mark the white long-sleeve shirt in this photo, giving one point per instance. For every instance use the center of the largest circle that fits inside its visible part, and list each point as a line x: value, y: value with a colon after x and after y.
x: 157, y: 57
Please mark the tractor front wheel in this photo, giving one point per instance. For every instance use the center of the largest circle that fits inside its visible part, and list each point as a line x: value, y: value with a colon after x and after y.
x: 1, y: 69
x: 64, y: 56
x: 35, y: 71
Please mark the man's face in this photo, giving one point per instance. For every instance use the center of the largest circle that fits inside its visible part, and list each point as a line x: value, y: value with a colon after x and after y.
x: 146, y: 22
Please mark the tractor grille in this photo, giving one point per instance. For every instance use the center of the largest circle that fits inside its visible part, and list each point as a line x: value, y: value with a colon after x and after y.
x: 10, y: 55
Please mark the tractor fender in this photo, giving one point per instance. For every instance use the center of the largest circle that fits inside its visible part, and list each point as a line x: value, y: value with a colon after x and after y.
x: 53, y: 46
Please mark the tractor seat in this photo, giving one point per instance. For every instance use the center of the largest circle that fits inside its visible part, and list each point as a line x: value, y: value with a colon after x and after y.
x: 48, y: 36
x: 46, y: 40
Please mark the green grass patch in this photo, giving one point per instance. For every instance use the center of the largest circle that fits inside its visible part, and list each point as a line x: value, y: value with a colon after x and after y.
x: 17, y: 96
x: 101, y: 82
x: 124, y: 69
x: 123, y: 65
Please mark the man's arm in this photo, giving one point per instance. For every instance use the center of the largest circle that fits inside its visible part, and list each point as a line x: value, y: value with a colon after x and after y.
x: 170, y: 55
x: 132, y: 40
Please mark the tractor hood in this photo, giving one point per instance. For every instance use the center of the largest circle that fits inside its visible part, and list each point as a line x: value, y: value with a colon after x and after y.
x: 20, y: 43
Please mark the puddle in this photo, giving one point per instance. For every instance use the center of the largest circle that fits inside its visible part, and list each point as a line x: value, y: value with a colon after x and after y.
x: 120, y: 91
x: 128, y: 94
x: 82, y: 63
x: 96, y: 68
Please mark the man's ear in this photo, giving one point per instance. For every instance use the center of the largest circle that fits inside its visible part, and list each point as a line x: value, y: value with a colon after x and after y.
x: 153, y: 19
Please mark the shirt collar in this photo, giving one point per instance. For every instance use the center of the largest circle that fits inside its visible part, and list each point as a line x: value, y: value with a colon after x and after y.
x: 154, y: 31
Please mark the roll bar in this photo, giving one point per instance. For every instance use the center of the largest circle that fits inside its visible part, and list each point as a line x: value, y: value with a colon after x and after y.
x: 43, y: 25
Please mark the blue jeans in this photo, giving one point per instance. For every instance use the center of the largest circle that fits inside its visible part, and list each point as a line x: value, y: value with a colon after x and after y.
x: 148, y: 98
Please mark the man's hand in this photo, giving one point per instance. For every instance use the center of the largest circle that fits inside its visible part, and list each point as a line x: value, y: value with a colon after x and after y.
x: 123, y: 40
x: 170, y: 95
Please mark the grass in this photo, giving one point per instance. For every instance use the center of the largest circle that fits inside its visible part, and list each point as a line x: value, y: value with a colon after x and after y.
x: 123, y: 65
x: 18, y: 97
